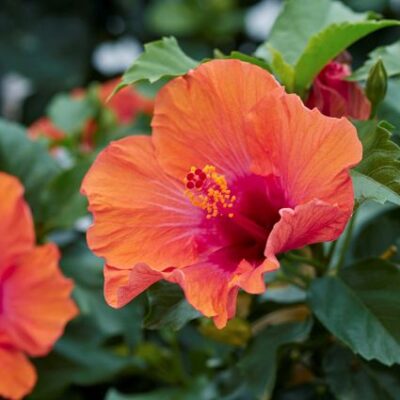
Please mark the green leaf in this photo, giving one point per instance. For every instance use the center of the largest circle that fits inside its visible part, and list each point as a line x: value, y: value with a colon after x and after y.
x: 310, y: 33
x: 390, y: 55
x: 168, y: 307
x: 63, y: 202
x: 77, y: 361
x: 70, y: 114
x: 237, y: 55
x: 284, y: 294
x: 377, y: 177
x: 378, y: 234
x: 160, y: 59
x: 300, y: 21
x: 361, y: 307
x: 88, y: 293
x: 351, y: 378
x: 27, y: 160
x: 259, y: 365
x: 283, y: 70
x: 328, y: 44
x: 198, y: 389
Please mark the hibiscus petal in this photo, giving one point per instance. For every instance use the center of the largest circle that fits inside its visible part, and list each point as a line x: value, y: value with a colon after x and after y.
x: 210, y: 286
x: 18, y: 376
x: 16, y: 228
x: 199, y: 118
x: 36, y: 301
x: 123, y: 285
x: 311, y: 153
x: 206, y: 286
x: 140, y: 214
x: 314, y: 222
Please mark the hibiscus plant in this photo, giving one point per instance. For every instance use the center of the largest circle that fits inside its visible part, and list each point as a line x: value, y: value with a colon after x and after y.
x: 228, y: 226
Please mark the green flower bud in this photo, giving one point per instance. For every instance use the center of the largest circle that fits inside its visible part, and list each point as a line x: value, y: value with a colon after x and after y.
x: 376, y: 84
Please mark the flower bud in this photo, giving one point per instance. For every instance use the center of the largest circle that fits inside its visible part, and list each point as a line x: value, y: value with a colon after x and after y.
x: 376, y: 83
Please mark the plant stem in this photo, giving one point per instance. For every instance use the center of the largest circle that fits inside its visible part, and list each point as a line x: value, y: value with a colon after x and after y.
x: 346, y: 243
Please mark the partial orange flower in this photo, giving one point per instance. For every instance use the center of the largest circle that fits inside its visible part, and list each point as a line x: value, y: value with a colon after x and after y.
x: 35, y: 301
x: 334, y: 96
x: 44, y: 127
x: 236, y: 172
x: 125, y: 105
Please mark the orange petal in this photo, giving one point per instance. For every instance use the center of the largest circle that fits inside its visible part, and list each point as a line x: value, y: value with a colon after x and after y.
x: 140, y: 214
x: 199, y: 118
x: 16, y: 227
x: 309, y: 152
x: 18, y: 376
x: 122, y: 285
x: 209, y: 286
x: 314, y: 222
x: 36, y: 301
x: 206, y: 287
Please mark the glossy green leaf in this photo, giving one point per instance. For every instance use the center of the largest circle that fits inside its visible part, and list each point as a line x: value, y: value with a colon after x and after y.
x: 160, y: 59
x: 259, y: 364
x: 168, y: 307
x: 377, y: 177
x: 27, y: 160
x: 361, y: 308
x: 390, y: 55
x: 351, y: 378
x: 310, y: 33
x: 300, y: 21
x: 328, y: 44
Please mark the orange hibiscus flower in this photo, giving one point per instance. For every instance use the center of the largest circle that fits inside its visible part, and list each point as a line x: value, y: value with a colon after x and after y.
x: 35, y: 299
x: 236, y: 172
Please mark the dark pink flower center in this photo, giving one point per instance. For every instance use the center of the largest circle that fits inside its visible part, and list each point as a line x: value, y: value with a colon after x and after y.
x: 238, y: 216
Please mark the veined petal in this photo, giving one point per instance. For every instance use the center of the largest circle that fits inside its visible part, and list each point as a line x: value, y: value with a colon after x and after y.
x: 316, y: 221
x: 16, y: 227
x: 36, y: 301
x: 140, y: 214
x: 123, y: 285
x: 199, y: 118
x: 18, y: 375
x: 210, y: 286
x: 309, y: 152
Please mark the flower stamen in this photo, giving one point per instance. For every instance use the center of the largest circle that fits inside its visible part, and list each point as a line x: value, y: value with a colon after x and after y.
x: 207, y: 189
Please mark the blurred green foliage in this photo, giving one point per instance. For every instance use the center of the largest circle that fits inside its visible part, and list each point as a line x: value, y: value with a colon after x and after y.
x: 158, y: 347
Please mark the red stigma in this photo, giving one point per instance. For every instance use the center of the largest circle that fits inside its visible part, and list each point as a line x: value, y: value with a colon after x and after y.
x: 190, y: 185
x: 190, y: 177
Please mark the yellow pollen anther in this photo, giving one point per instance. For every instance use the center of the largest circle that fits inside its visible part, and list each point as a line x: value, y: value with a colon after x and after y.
x: 207, y: 189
